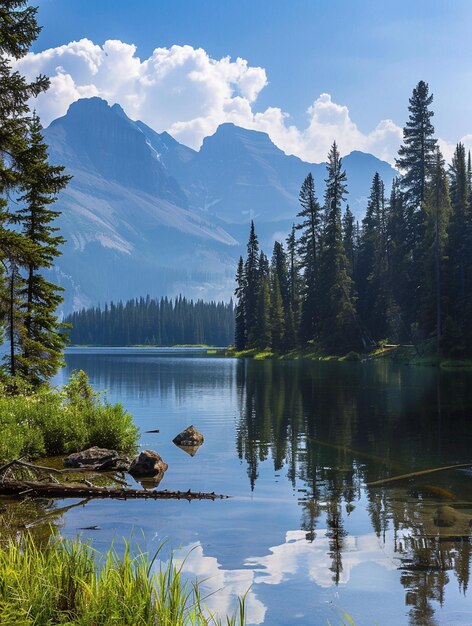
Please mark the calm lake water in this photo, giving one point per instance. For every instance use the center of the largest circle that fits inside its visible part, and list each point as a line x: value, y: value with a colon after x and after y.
x: 296, y: 445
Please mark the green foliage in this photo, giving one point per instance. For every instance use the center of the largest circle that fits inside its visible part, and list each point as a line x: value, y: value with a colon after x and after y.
x: 68, y: 582
x: 28, y: 240
x: 51, y: 422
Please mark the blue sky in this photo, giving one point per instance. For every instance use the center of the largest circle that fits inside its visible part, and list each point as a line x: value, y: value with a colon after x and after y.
x: 367, y: 55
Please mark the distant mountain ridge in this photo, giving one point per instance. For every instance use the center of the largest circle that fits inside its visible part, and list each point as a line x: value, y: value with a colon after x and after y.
x: 146, y: 214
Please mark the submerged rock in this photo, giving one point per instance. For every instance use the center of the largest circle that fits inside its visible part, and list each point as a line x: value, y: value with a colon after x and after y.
x: 445, y: 516
x: 189, y: 438
x: 97, y: 458
x: 147, y: 463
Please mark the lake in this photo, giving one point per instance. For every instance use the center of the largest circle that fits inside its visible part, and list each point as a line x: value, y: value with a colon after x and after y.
x: 296, y: 444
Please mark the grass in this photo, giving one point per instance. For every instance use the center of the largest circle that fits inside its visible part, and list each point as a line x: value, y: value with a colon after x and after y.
x: 68, y: 582
x: 51, y: 422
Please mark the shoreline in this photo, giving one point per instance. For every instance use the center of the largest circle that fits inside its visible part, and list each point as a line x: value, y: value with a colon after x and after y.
x: 398, y: 353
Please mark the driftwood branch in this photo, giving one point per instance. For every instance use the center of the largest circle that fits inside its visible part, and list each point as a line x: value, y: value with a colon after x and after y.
x: 54, y: 490
x: 434, y: 470
x: 44, y: 468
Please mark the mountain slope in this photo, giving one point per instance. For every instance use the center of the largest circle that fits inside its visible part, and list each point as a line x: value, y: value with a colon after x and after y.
x: 145, y: 214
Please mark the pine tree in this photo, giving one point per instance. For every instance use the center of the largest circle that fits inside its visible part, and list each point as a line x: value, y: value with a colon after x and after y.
x: 262, y: 335
x: 240, y: 316
x: 417, y: 154
x: 437, y: 210
x: 253, y: 283
x: 18, y: 29
x: 416, y: 158
x: 459, y: 253
x: 337, y: 306
x: 371, y: 271
x: 42, y: 341
x: 277, y: 315
x: 280, y: 269
x: 401, y: 280
x: 309, y: 247
x: 293, y: 284
x: 350, y: 245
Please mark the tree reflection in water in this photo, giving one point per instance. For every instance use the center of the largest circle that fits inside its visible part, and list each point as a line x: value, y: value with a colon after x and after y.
x: 333, y: 427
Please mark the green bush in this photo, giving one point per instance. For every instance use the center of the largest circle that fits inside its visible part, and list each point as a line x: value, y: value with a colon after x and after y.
x: 53, y: 422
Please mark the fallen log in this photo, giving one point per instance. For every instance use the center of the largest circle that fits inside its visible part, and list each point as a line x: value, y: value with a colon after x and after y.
x: 54, y: 490
x: 434, y: 470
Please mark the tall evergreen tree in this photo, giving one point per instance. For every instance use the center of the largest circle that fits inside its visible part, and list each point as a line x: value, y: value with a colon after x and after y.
x: 240, y: 313
x: 277, y: 315
x: 293, y: 282
x: 253, y: 283
x: 401, y: 279
x: 417, y: 153
x: 349, y: 239
x: 280, y: 269
x: 262, y: 337
x: 459, y: 255
x: 371, y: 270
x: 437, y: 210
x: 309, y: 248
x: 337, y: 304
x: 42, y: 341
x: 415, y: 160
x: 22, y: 157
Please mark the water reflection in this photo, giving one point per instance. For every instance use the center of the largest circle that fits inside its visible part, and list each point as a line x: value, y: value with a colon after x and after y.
x: 297, y: 444
x: 335, y: 428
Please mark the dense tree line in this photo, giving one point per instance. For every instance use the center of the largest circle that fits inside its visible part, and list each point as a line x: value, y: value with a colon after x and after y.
x: 28, y: 187
x: 404, y: 274
x: 163, y: 322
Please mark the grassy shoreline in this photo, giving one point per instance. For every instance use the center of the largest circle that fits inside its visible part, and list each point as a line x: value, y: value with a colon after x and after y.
x: 401, y: 354
x: 69, y: 582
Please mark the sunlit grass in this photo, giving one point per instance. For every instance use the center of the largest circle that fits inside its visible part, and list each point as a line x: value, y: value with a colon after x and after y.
x: 68, y: 582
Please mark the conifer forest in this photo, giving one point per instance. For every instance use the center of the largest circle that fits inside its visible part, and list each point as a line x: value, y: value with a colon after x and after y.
x: 403, y: 275
x: 147, y: 321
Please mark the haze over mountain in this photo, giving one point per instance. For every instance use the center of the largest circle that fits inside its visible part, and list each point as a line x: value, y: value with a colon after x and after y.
x: 146, y: 214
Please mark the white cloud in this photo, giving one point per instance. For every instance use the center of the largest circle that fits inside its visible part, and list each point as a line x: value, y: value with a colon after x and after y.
x: 183, y: 90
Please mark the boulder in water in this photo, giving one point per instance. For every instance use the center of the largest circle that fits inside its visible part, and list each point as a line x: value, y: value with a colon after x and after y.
x: 190, y: 437
x: 147, y: 463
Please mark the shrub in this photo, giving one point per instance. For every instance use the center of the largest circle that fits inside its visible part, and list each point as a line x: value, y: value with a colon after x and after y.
x: 54, y: 422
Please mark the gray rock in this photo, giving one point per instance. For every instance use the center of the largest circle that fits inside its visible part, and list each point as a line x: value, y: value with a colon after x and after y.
x: 147, y: 463
x: 97, y: 458
x: 190, y: 437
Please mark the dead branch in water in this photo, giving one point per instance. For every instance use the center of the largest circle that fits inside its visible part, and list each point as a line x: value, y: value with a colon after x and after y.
x: 392, y: 479
x: 36, y: 489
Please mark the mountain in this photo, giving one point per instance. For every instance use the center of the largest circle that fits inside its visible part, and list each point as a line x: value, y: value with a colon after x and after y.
x: 145, y: 214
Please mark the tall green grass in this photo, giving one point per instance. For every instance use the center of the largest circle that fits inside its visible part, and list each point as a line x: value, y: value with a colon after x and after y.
x: 52, y: 422
x: 68, y: 582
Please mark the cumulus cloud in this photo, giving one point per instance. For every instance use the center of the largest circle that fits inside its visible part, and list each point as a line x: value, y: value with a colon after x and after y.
x: 183, y: 90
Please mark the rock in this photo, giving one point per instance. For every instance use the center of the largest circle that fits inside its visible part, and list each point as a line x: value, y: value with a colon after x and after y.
x: 190, y: 437
x: 147, y: 463
x: 97, y: 458
x: 445, y: 516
